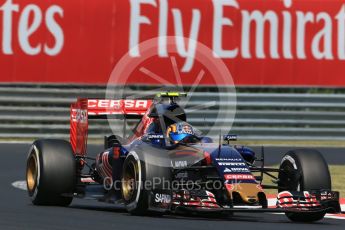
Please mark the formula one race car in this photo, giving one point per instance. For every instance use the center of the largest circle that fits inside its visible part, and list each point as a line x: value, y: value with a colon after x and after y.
x: 168, y: 166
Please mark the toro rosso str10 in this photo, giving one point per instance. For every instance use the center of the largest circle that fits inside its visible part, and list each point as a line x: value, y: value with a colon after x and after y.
x: 168, y: 166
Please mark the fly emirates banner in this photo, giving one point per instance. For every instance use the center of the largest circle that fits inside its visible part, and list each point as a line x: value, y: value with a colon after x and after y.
x: 261, y: 42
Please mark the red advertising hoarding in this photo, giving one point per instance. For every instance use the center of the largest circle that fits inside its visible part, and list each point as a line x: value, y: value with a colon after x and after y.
x: 261, y: 42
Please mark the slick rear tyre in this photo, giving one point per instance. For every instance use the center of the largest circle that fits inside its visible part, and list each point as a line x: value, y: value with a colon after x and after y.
x: 304, y: 170
x: 51, y: 173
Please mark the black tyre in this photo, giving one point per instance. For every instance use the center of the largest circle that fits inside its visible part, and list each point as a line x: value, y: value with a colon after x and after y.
x: 51, y: 172
x: 136, y: 172
x: 304, y: 170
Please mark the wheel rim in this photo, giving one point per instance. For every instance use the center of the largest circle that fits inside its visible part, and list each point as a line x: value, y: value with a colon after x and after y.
x: 289, y: 178
x: 31, y: 173
x: 129, y: 180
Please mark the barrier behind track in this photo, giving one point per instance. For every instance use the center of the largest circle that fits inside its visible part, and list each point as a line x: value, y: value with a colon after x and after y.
x: 42, y: 111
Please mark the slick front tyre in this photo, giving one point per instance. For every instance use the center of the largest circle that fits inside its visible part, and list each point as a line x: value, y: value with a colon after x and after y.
x: 306, y: 217
x: 304, y: 170
x: 51, y: 173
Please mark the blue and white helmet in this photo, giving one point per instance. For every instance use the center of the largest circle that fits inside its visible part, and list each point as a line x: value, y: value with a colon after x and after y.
x: 179, y: 131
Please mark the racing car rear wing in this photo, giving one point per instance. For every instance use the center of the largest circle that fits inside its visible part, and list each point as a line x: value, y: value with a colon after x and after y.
x: 122, y: 107
x: 84, y: 109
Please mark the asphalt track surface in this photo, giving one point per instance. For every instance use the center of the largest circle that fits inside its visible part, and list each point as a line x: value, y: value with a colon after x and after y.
x: 17, y: 212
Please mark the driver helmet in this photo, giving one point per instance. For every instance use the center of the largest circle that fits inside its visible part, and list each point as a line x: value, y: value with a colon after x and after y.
x: 178, y: 131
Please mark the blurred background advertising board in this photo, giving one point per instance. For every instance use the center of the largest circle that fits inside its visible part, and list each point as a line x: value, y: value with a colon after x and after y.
x: 261, y: 42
